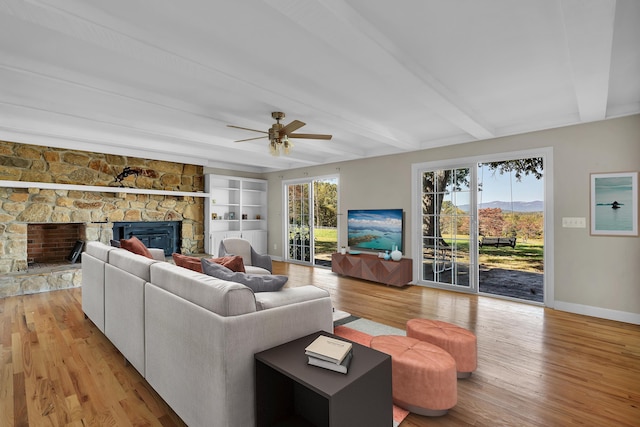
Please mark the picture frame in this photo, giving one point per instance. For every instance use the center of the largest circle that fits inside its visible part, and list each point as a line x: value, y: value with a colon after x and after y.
x: 614, y: 204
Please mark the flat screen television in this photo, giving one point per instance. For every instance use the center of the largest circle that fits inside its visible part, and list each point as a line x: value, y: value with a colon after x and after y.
x: 375, y: 229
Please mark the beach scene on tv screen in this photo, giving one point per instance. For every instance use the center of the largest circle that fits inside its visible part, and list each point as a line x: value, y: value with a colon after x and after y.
x: 375, y: 229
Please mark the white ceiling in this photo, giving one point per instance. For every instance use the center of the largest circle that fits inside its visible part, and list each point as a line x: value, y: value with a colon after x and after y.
x: 162, y: 78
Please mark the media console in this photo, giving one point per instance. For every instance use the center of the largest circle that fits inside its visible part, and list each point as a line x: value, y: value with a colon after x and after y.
x: 371, y: 267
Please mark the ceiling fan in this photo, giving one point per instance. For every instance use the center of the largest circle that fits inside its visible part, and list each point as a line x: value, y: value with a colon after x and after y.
x: 279, y: 135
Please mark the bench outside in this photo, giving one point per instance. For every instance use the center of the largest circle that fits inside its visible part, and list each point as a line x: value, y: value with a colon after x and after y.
x: 497, y: 241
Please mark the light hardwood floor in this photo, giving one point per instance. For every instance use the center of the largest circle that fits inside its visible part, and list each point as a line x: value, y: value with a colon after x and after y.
x: 537, y: 367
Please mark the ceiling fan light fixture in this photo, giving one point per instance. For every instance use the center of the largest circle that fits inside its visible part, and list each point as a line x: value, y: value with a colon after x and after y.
x: 274, y: 148
x: 279, y: 134
x: 287, y: 145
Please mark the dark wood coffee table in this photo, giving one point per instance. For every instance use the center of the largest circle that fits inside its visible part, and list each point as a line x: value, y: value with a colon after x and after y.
x: 290, y: 392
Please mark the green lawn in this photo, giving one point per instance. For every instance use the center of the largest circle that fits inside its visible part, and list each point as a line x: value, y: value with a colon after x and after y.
x: 326, y: 240
x: 527, y: 256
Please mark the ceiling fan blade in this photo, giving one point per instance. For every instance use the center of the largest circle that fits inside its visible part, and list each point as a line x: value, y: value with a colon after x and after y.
x: 252, y: 130
x: 251, y: 139
x: 294, y: 125
x: 309, y: 136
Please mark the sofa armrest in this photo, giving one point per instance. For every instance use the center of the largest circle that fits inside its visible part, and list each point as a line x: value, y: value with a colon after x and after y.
x: 262, y: 261
x: 202, y: 364
x: 157, y: 254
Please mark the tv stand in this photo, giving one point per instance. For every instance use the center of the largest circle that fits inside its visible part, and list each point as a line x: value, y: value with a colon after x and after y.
x: 371, y: 267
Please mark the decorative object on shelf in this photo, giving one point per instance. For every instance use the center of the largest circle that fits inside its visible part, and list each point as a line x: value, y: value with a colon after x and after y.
x: 244, y: 216
x: 125, y: 173
x: 343, y: 250
x: 258, y: 216
x: 214, y: 215
x: 396, y: 255
x: 386, y: 256
x: 232, y: 215
x: 354, y: 252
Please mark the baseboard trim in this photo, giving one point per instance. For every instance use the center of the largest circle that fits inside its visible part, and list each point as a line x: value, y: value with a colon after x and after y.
x: 603, y: 313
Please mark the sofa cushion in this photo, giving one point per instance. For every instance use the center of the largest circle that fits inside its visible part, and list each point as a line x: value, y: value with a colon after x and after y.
x: 219, y: 296
x: 98, y: 250
x: 232, y: 262
x: 135, y: 264
x: 186, y: 261
x: 258, y: 283
x: 252, y: 269
x: 289, y: 296
x: 136, y: 246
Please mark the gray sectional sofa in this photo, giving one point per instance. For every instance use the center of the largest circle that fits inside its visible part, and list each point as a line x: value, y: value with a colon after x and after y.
x: 193, y: 337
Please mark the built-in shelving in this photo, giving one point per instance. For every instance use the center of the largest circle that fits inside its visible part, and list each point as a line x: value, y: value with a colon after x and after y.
x: 237, y: 208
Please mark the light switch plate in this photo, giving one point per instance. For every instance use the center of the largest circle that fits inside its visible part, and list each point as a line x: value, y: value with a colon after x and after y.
x: 574, y: 222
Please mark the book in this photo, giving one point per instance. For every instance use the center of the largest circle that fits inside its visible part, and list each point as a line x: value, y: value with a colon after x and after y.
x: 329, y: 349
x: 338, y: 367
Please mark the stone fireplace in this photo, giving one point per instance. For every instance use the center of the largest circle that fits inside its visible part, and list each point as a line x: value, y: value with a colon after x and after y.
x: 40, y: 224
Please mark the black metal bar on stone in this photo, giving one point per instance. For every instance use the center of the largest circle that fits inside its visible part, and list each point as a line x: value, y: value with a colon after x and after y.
x: 154, y: 234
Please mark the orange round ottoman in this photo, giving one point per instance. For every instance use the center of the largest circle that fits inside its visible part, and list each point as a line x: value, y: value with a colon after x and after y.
x: 458, y: 342
x: 423, y: 375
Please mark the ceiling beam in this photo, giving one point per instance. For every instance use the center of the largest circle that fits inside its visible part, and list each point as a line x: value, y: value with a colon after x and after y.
x: 589, y: 26
x: 370, y: 45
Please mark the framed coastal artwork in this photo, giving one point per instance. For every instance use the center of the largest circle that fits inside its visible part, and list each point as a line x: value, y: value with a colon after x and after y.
x: 614, y: 204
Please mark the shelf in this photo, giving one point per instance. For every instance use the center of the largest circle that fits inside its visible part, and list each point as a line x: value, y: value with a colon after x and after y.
x: 240, y: 196
x: 98, y: 188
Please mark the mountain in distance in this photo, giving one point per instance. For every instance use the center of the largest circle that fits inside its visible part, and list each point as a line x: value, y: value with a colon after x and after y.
x: 533, y: 206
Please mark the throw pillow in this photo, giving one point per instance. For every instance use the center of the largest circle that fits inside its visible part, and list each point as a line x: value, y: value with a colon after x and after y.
x: 232, y: 262
x: 136, y: 246
x: 190, y: 262
x: 257, y: 282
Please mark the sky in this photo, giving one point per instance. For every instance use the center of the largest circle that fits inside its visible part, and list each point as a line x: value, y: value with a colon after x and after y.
x: 497, y: 188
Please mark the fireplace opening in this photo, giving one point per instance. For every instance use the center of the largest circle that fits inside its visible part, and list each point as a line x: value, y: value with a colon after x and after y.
x: 154, y: 234
x: 53, y: 243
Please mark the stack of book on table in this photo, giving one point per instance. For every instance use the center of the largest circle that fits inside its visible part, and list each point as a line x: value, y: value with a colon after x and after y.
x: 330, y: 353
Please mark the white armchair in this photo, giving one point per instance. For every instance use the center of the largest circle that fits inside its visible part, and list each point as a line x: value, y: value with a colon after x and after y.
x: 254, y: 263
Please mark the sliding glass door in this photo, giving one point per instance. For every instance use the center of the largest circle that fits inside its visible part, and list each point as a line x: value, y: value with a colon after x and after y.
x: 482, y: 225
x: 299, y: 220
x: 446, y: 227
x: 311, y: 223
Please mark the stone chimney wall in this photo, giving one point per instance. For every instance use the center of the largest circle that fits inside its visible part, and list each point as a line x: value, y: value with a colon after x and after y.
x: 20, y: 206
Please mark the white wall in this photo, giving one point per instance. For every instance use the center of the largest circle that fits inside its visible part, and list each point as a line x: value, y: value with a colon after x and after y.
x: 594, y: 275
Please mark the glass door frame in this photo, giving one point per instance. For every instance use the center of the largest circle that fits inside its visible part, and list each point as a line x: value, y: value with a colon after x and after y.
x: 416, y: 212
x: 472, y: 286
x: 285, y: 220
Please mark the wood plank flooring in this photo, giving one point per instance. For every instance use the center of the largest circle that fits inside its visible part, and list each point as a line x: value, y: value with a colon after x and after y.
x: 536, y: 367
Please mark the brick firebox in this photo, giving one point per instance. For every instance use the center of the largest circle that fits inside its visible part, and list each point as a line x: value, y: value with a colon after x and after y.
x: 52, y: 242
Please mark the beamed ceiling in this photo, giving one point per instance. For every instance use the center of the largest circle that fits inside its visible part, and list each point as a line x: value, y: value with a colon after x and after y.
x: 162, y: 79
